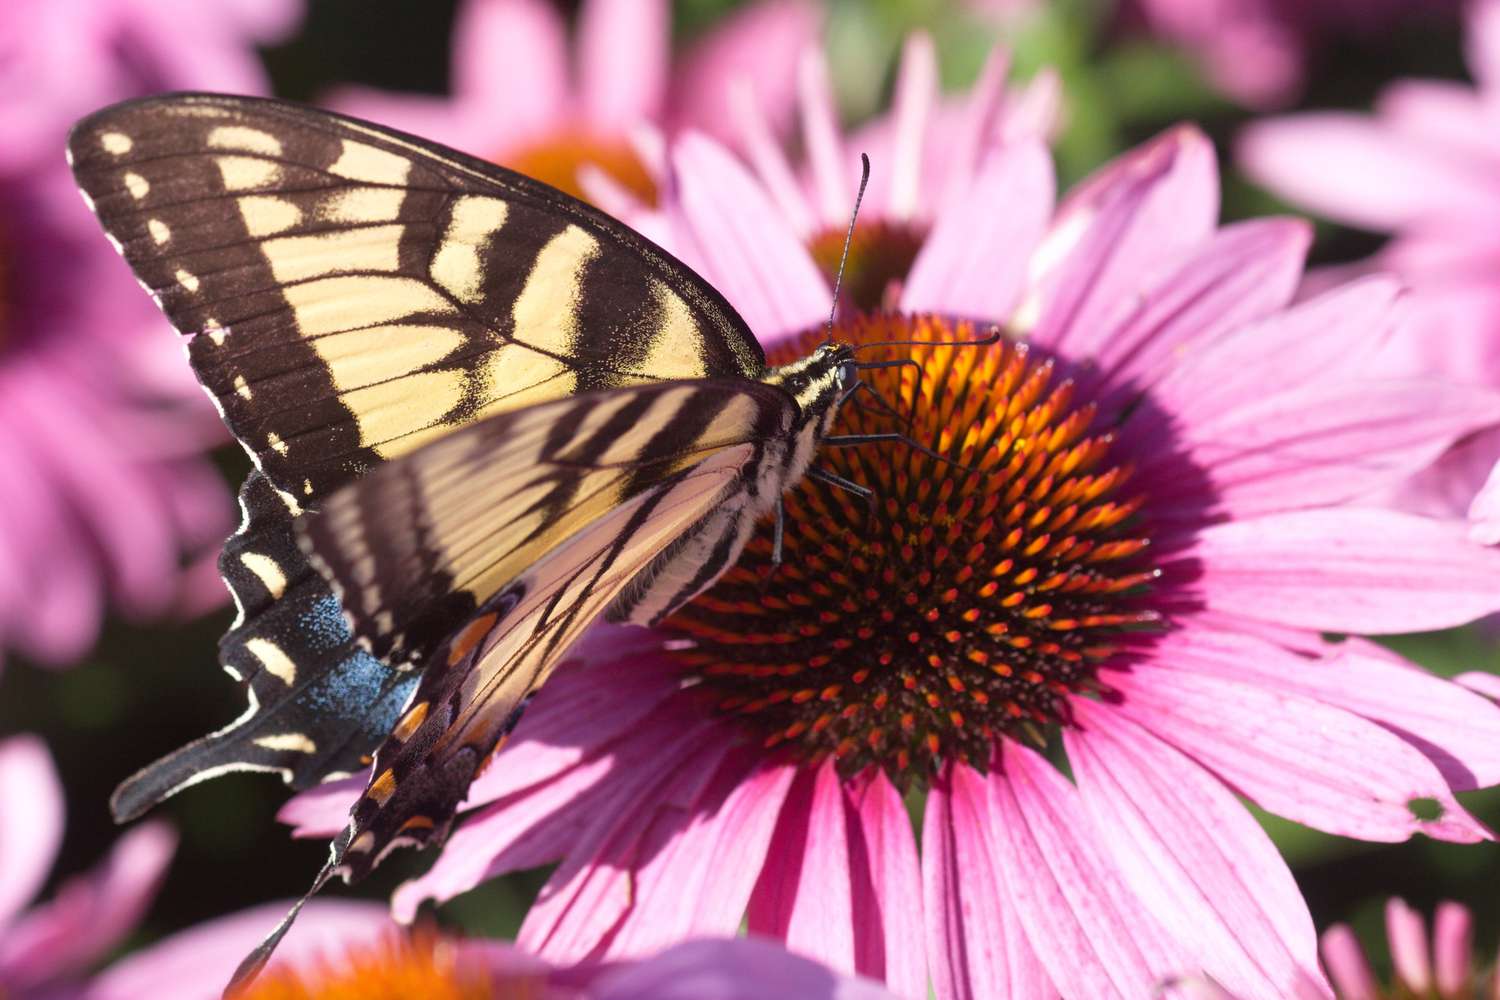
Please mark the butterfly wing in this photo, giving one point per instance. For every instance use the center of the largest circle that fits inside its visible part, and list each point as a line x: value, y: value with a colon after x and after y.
x: 348, y: 292
x: 539, y: 519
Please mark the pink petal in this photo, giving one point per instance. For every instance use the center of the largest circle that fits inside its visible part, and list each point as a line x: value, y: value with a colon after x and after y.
x: 510, y: 62
x: 973, y: 263
x: 1347, y: 570
x: 1485, y: 683
x: 1240, y: 274
x: 756, y: 47
x: 29, y: 837
x: 749, y: 252
x: 1453, y: 948
x: 975, y: 946
x: 196, y: 963
x: 804, y: 895
x: 1484, y: 512
x: 1360, y: 172
x: 820, y: 135
x: 1193, y: 855
x: 712, y: 858
x: 624, y: 55
x: 450, y: 121
x: 1328, y: 443
x: 1449, y: 115
x: 966, y: 143
x: 911, y: 107
x: 90, y: 913
x: 887, y: 887
x: 1313, y: 763
x: 1483, y: 43
x: 1347, y: 965
x: 1088, y: 933
x: 743, y: 969
x: 1406, y: 933
x: 1331, y: 337
x: 769, y: 160
x: 585, y: 901
x: 1114, y: 230
x: 1454, y: 728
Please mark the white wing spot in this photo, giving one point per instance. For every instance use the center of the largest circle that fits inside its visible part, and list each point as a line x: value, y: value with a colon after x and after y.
x: 137, y: 185
x: 216, y: 333
x: 159, y: 231
x: 187, y: 279
x: 116, y: 143
x: 276, y: 662
x: 242, y: 387
x: 287, y: 741
x: 273, y: 440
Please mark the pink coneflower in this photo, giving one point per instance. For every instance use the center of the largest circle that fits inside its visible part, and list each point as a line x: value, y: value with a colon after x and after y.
x: 1442, y: 969
x: 1423, y: 168
x: 931, y: 145
x: 524, y: 98
x: 1143, y: 526
x: 50, y: 947
x: 1484, y: 510
x: 1256, y: 50
x: 106, y: 493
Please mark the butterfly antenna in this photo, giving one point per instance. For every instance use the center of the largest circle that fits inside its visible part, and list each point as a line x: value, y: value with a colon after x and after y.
x: 838, y: 279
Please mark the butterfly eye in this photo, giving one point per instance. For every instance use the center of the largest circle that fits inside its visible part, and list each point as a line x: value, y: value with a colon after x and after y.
x: 848, y: 373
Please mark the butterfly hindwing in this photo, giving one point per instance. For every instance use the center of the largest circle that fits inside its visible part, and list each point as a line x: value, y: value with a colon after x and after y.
x: 350, y: 291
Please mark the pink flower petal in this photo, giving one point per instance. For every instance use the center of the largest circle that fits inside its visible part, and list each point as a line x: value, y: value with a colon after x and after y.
x: 510, y: 63
x: 323, y: 810
x: 1242, y: 273
x: 742, y: 969
x: 1088, y: 933
x: 911, y: 107
x: 624, y: 55
x: 820, y: 135
x: 769, y: 160
x: 975, y: 946
x: 1313, y: 763
x: 712, y: 858
x: 1485, y: 683
x: 1355, y: 170
x: 749, y: 252
x: 1454, y: 728
x: 974, y: 265
x: 1406, y: 933
x: 887, y: 887
x: 196, y: 963
x: 1347, y: 965
x: 965, y: 144
x: 1482, y: 43
x: 1331, y: 337
x: 29, y: 837
x: 756, y: 47
x: 804, y: 894
x: 1329, y: 443
x: 1484, y: 512
x: 583, y: 904
x: 1446, y: 114
x: 1193, y: 855
x: 1453, y: 948
x: 1347, y: 570
x: 1114, y: 230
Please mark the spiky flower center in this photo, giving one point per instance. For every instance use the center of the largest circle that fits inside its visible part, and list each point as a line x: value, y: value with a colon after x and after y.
x: 961, y: 604
x: 401, y: 966
x: 880, y: 257
x: 557, y: 158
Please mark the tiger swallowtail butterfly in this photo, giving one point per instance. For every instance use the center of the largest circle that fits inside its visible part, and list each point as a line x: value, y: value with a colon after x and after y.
x: 481, y: 413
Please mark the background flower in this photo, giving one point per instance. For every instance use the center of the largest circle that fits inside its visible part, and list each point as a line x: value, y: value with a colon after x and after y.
x: 1423, y: 168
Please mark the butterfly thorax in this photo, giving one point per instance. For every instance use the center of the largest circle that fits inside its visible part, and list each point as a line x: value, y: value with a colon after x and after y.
x: 817, y: 382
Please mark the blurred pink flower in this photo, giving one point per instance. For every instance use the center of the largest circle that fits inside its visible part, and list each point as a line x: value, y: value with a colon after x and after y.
x: 1484, y: 511
x: 1426, y: 168
x: 1440, y: 970
x: 45, y: 950
x: 924, y: 154
x: 738, y: 764
x: 523, y: 97
x: 102, y: 431
x: 353, y: 950
x: 1255, y: 50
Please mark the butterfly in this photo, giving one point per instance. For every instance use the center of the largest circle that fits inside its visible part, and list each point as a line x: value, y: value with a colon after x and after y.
x: 481, y: 414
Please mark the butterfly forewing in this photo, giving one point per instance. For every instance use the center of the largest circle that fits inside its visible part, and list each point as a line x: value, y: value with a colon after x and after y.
x: 350, y: 291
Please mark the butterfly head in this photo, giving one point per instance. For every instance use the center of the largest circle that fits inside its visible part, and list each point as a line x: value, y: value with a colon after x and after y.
x: 818, y: 381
